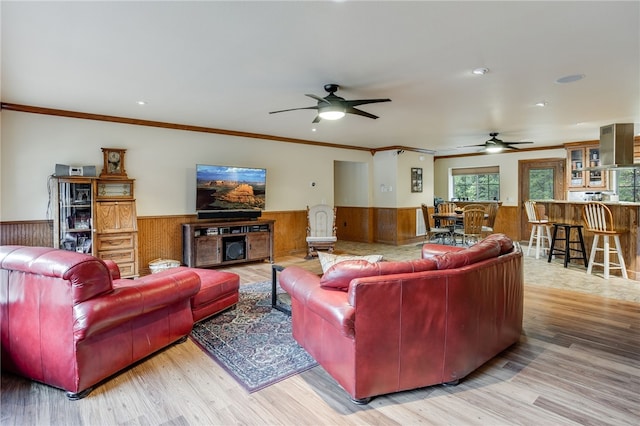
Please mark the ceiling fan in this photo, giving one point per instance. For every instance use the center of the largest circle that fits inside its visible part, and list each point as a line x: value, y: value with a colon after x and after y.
x: 333, y: 107
x: 496, y: 145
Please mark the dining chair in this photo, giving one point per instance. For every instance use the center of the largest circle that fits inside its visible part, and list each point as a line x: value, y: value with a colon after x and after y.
x: 599, y: 221
x: 431, y: 233
x: 492, y: 212
x: 540, y: 228
x: 473, y: 218
x: 446, y: 208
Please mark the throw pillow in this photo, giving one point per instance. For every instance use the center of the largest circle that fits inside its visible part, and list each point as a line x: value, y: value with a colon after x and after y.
x: 327, y: 260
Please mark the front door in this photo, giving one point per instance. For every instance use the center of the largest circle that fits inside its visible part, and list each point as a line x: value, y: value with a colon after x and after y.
x: 541, y: 179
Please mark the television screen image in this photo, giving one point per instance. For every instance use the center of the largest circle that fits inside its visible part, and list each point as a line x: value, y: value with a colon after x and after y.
x: 230, y: 188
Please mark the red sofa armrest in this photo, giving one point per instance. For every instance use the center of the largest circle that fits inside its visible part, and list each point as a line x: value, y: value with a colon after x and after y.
x: 131, y: 298
x: 114, y: 269
x: 332, y: 305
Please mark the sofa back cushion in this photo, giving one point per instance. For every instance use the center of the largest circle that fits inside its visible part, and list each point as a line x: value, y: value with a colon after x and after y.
x: 340, y: 275
x: 492, y: 246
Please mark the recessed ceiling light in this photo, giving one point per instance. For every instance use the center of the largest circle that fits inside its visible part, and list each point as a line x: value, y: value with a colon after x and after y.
x: 541, y: 104
x: 141, y: 102
x: 570, y: 78
x: 480, y: 71
x: 313, y: 129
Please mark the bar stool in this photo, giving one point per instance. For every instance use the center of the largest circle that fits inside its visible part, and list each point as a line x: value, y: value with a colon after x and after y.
x: 567, y: 249
x: 599, y: 220
x: 540, y: 230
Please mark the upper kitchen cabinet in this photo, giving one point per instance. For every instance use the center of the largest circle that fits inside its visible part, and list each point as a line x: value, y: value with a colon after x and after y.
x: 582, y: 156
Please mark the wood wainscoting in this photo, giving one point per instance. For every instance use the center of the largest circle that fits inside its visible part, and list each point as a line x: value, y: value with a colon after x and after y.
x: 395, y: 226
x: 161, y: 236
x: 35, y: 233
x: 508, y: 222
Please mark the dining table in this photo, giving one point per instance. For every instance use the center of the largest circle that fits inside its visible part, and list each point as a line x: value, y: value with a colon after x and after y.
x: 456, y: 219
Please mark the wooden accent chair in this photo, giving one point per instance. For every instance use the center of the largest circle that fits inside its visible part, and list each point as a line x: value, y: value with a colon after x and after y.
x: 321, y: 229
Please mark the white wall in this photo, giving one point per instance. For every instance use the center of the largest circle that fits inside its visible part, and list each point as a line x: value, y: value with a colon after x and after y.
x: 406, y: 161
x: 508, y: 163
x: 162, y: 162
x: 351, y: 184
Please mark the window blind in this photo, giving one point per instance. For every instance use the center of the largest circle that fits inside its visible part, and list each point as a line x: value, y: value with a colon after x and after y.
x: 476, y: 171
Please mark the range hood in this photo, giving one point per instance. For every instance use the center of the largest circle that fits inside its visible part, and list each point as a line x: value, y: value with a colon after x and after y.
x: 616, y: 147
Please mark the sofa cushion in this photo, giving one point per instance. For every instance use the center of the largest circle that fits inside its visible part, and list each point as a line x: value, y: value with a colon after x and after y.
x: 327, y: 260
x: 485, y: 249
x: 340, y: 275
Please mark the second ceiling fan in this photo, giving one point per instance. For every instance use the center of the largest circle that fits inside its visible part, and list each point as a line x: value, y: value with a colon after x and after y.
x: 496, y: 145
x: 333, y: 107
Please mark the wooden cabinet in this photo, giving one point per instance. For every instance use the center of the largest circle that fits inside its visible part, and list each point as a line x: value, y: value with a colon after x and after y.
x: 116, y: 225
x: 97, y: 217
x: 206, y: 251
x: 258, y: 245
x: 208, y: 244
x: 116, y: 216
x: 73, y: 211
x: 581, y: 156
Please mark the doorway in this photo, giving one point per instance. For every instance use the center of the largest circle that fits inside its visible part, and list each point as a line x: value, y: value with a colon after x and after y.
x: 540, y: 179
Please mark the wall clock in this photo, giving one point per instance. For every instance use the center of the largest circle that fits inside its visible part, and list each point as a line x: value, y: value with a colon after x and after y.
x: 113, y: 163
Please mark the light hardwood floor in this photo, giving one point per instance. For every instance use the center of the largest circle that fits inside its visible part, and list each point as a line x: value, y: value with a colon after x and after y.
x: 578, y: 362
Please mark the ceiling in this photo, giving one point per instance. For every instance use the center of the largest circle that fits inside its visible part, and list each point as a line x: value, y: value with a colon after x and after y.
x: 225, y: 65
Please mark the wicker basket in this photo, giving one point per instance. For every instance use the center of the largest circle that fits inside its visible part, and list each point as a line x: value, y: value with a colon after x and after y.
x: 159, y: 265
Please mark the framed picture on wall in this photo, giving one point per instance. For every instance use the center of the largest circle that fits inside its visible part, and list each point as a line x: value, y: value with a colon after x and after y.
x: 416, y: 179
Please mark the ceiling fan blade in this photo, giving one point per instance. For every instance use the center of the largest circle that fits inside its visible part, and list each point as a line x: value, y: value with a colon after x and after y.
x: 317, y: 119
x: 356, y: 111
x: 365, y: 101
x: 318, y: 98
x: 515, y: 143
x: 292, y: 109
x: 472, y: 146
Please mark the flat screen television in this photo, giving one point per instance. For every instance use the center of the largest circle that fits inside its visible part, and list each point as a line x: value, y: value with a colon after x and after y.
x: 226, y: 192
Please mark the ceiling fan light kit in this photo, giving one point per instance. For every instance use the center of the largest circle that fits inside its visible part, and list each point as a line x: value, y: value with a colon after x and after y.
x: 331, y: 112
x: 333, y: 107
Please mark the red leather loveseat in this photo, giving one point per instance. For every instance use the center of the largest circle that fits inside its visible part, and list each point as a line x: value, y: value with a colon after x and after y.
x: 384, y: 327
x: 67, y: 323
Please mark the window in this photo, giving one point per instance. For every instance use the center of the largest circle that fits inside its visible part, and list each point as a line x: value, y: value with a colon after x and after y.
x: 477, y: 183
x: 541, y: 183
x: 628, y: 187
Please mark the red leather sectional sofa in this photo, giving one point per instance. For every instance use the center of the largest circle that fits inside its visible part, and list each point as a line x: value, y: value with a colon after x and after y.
x: 384, y: 327
x: 67, y: 320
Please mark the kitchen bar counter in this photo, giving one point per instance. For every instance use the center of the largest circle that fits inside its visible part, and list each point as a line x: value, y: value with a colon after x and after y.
x: 625, y: 215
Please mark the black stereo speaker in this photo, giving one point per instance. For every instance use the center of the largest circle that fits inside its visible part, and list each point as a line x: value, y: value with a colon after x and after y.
x: 234, y: 250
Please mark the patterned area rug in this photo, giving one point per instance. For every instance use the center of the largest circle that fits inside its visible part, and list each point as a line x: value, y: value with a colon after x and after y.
x: 253, y: 342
